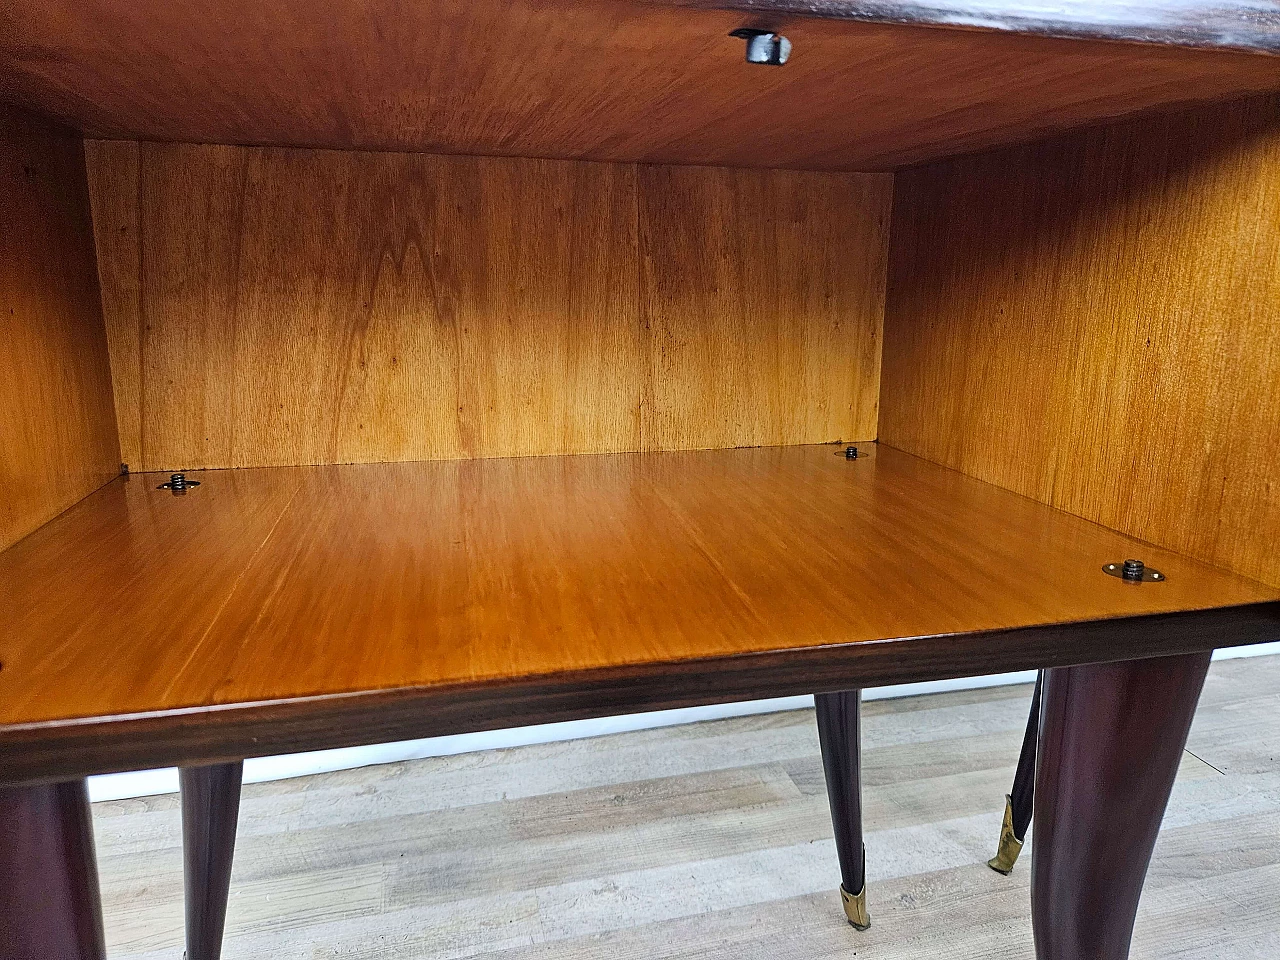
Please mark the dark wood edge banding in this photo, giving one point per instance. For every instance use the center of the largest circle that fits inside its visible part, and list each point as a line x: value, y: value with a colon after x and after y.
x: 61, y: 750
x: 1247, y: 25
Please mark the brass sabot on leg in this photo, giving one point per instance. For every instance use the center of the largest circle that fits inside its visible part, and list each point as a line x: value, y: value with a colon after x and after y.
x: 1010, y: 846
x: 855, y: 907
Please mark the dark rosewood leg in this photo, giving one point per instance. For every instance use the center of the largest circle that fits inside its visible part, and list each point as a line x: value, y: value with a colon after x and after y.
x: 1017, y: 808
x: 1111, y: 736
x: 841, y: 761
x: 210, y: 806
x: 49, y: 904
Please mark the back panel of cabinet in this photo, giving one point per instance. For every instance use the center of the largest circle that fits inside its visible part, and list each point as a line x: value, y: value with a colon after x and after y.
x: 273, y: 306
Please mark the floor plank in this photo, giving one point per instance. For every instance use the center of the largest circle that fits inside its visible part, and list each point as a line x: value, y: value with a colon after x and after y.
x: 710, y: 840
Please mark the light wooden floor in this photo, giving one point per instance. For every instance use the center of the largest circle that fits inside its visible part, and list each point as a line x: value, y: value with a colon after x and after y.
x: 711, y: 840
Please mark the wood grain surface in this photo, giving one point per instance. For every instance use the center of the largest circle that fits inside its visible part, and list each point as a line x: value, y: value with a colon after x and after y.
x: 57, y: 425
x: 347, y: 600
x: 762, y: 294
x: 1113, y: 739
x: 210, y: 809
x: 112, y: 172
x: 1092, y: 322
x: 601, y: 80
x: 438, y: 307
x: 49, y: 902
x: 709, y: 840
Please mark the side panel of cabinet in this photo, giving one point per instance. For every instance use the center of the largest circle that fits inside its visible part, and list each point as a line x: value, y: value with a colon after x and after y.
x: 57, y: 426
x: 1094, y: 322
x: 271, y: 306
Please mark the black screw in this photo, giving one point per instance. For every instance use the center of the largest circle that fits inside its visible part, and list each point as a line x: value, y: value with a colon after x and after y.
x: 178, y: 483
x: 851, y: 453
x: 1133, y: 570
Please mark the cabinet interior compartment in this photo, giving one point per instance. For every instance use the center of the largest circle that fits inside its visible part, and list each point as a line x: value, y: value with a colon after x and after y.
x: 557, y: 389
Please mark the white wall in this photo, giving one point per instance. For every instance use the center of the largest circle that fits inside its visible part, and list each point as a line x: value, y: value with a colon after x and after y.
x: 142, y: 783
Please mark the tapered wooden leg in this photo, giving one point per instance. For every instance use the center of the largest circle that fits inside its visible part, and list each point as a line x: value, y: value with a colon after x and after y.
x: 1111, y: 737
x: 1017, y: 808
x: 210, y: 807
x: 49, y: 903
x: 838, y: 734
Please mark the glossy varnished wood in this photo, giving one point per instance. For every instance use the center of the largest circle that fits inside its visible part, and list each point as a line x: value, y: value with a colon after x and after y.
x: 840, y: 736
x: 710, y: 840
x: 210, y: 811
x: 57, y: 424
x: 600, y: 80
x: 49, y: 902
x: 439, y: 307
x: 1022, y: 794
x: 762, y: 296
x: 113, y: 172
x: 1092, y: 322
x: 325, y: 605
x: 1111, y: 739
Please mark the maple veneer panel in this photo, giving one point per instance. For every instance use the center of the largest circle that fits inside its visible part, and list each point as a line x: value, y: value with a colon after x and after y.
x: 57, y: 424
x: 272, y: 306
x: 1094, y: 322
x: 274, y: 584
x: 599, y: 80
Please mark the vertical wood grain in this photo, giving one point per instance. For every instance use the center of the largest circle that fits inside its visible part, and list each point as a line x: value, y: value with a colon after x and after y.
x: 316, y: 308
x: 763, y: 302
x: 303, y: 306
x: 117, y: 225
x: 57, y: 424
x: 1092, y: 322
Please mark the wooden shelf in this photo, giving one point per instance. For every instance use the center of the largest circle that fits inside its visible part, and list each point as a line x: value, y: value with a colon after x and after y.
x: 870, y: 85
x: 291, y: 608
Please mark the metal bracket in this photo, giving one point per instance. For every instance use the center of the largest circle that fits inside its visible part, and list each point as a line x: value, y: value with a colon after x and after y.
x: 178, y: 483
x: 1132, y: 571
x: 764, y: 47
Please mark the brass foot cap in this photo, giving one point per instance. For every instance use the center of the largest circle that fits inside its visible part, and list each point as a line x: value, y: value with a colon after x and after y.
x: 1010, y: 846
x: 855, y: 907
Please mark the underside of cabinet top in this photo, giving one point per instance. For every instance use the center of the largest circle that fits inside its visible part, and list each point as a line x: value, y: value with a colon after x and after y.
x: 645, y: 579
x: 868, y: 86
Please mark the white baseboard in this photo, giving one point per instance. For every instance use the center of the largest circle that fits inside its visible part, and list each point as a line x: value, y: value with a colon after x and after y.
x: 144, y: 783
x: 1256, y: 650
